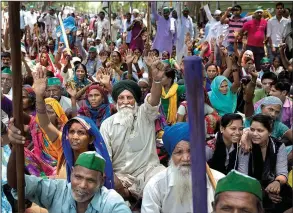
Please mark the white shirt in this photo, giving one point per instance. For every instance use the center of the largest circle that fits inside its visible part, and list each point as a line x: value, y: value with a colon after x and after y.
x: 276, y: 30
x: 51, y: 23
x: 66, y: 103
x: 114, y: 29
x: 103, y: 27
x: 132, y: 150
x: 30, y: 20
x: 188, y: 25
x: 159, y: 197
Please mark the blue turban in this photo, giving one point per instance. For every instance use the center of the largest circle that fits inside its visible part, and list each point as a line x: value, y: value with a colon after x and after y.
x: 174, y: 134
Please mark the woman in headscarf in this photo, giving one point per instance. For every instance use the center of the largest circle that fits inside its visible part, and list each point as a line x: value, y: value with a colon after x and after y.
x: 70, y: 28
x: 223, y: 95
x: 267, y: 162
x: 29, y: 100
x: 96, y: 105
x: 137, y: 29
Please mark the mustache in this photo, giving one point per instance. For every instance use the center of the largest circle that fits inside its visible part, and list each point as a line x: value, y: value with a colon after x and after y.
x: 126, y: 106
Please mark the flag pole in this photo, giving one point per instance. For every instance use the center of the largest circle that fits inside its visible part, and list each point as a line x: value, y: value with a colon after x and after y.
x: 195, y: 96
x: 14, y: 23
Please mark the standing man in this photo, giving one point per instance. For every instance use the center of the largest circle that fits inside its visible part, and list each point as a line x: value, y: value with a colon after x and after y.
x: 22, y: 14
x: 276, y: 30
x: 165, y: 30
x: 187, y: 23
x: 126, y: 25
x: 115, y: 26
x: 51, y: 23
x: 255, y: 30
x: 31, y: 19
x: 103, y: 26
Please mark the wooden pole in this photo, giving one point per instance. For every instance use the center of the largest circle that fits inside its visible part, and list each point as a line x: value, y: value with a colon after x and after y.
x: 110, y: 18
x: 211, y: 177
x: 14, y: 23
x: 149, y: 22
x: 195, y: 96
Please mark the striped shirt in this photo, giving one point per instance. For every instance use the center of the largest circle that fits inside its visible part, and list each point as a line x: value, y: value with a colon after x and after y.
x: 234, y: 26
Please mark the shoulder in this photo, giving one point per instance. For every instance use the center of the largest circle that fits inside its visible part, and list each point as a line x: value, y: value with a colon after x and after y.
x: 113, y: 201
x: 217, y: 175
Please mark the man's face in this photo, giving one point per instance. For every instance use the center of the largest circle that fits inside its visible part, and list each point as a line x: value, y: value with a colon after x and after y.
x: 92, y: 55
x: 217, y: 17
x: 174, y: 14
x: 277, y: 93
x: 279, y: 10
x: 135, y: 15
x: 6, y: 82
x: 51, y: 45
x: 265, y: 66
x: 51, y: 12
x: 128, y: 17
x: 236, y: 11
x: 53, y: 92
x: 125, y: 99
x: 166, y: 15
x: 102, y: 16
x: 266, y: 85
x: 85, y: 183
x: 236, y: 202
x: 185, y: 13
x: 6, y: 61
x: 258, y: 15
x: 181, y: 154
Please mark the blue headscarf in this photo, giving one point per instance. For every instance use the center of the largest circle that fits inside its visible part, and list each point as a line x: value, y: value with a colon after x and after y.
x: 69, y: 24
x: 270, y: 100
x: 222, y: 103
x: 99, y: 144
x: 80, y: 83
x: 174, y: 134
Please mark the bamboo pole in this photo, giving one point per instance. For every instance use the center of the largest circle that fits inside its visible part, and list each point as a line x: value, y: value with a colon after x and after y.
x: 14, y: 23
x: 211, y: 177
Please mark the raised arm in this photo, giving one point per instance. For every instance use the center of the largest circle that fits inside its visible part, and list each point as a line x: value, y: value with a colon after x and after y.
x: 249, y: 93
x: 154, y: 11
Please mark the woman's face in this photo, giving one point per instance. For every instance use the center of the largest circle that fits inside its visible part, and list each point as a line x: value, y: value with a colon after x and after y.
x: 276, y: 63
x: 272, y: 110
x: 165, y: 55
x: 212, y: 72
x: 95, y: 98
x: 43, y: 59
x: 258, y: 133
x: 25, y: 100
x: 79, y: 138
x: 80, y: 73
x: 137, y: 53
x: 224, y: 87
x: 144, y: 87
x: 233, y: 132
x: 111, y: 47
x: 165, y: 80
x: 115, y: 57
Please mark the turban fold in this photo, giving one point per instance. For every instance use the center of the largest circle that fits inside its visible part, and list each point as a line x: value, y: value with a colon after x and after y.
x: 237, y: 182
x: 129, y: 85
x: 174, y: 134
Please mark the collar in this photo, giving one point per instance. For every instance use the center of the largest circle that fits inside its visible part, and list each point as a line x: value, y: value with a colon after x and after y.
x: 275, y: 17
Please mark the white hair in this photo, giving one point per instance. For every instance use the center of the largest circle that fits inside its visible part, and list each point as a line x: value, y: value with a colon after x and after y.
x: 126, y: 114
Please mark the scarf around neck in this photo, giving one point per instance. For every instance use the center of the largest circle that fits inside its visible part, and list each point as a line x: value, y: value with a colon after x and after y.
x: 172, y: 109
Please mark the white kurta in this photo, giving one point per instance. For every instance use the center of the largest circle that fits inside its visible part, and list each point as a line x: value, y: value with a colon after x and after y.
x: 133, y: 150
x: 159, y: 197
x: 114, y: 29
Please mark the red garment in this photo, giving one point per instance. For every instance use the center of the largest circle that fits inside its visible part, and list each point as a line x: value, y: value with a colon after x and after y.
x: 256, y: 31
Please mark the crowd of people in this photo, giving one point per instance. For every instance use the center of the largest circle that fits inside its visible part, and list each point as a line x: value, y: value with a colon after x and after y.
x: 106, y: 118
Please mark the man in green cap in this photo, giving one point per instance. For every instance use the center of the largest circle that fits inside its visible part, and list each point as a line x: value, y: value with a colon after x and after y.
x: 187, y: 23
x: 85, y: 193
x: 6, y: 81
x: 238, y: 193
x: 91, y: 61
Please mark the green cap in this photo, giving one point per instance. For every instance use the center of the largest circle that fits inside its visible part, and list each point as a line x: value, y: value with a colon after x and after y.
x: 186, y: 9
x: 54, y: 81
x: 265, y: 60
x: 238, y: 182
x: 7, y: 70
x: 166, y: 9
x: 91, y: 160
x: 92, y: 49
x: 258, y: 9
x: 31, y: 6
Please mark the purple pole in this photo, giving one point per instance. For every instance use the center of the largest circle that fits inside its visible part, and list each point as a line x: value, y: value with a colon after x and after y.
x: 195, y: 100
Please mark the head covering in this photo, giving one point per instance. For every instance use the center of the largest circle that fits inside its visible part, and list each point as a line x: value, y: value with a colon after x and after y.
x: 247, y: 52
x: 6, y: 70
x: 31, y: 92
x: 265, y: 60
x: 217, y: 12
x: 76, y: 59
x: 166, y: 9
x: 129, y: 85
x: 186, y: 9
x: 69, y: 25
x: 145, y: 80
x: 31, y: 6
x: 222, y: 103
x: 100, y: 113
x: 174, y: 134
x: 258, y: 9
x: 270, y: 100
x: 93, y: 49
x: 91, y: 160
x: 80, y: 83
x: 237, y: 182
x: 135, y: 11
x: 53, y: 82
x: 98, y: 143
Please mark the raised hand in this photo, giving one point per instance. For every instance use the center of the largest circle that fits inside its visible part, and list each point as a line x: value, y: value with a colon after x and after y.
x: 40, y: 81
x: 129, y: 56
x: 221, y: 39
x: 105, y: 77
x: 135, y: 59
x: 213, y: 42
x: 158, y: 70
x: 149, y: 59
x: 205, y: 46
x: 71, y: 91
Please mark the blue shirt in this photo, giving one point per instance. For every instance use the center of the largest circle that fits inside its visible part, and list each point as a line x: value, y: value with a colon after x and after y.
x: 56, y: 197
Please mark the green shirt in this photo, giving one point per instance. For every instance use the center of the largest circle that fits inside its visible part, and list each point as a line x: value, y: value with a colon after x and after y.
x: 258, y: 95
x: 165, y: 102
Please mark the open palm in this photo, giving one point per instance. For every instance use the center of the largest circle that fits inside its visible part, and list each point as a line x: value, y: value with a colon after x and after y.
x: 129, y: 56
x: 40, y: 81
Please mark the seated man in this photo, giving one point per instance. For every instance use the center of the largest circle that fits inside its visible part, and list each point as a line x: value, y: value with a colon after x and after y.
x: 130, y: 135
x: 238, y: 193
x: 85, y: 193
x: 170, y: 191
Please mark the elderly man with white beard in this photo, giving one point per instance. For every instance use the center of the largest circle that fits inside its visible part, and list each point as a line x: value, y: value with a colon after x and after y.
x: 130, y: 134
x: 170, y: 191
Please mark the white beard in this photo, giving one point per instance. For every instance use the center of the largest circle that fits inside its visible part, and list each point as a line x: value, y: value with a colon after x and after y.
x: 126, y: 114
x: 183, y: 183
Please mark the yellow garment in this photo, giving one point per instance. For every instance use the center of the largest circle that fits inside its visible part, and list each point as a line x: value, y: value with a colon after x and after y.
x: 172, y: 109
x: 290, y: 178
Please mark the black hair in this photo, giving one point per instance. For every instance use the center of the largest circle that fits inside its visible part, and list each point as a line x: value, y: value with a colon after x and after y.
x: 238, y: 6
x: 282, y: 86
x: 50, y: 74
x: 228, y: 118
x: 5, y: 55
x: 212, y: 65
x: 102, y: 12
x: 84, y: 68
x: 128, y: 14
x: 119, y: 55
x: 280, y: 4
x: 170, y: 73
x: 265, y: 120
x: 269, y: 75
x: 284, y: 76
x: 156, y: 51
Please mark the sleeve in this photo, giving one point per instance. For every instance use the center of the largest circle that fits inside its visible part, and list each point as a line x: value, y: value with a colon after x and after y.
x: 41, y: 191
x: 209, y: 153
x: 208, y: 12
x: 181, y: 110
x: 245, y: 26
x: 243, y: 163
x: 208, y: 109
x: 282, y: 163
x: 150, y: 112
x: 106, y: 137
x: 117, y: 203
x: 154, y: 11
x: 281, y: 130
x: 151, y: 200
x: 269, y: 28
x: 6, y: 106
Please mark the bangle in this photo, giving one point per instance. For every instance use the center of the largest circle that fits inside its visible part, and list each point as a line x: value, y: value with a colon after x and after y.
x: 157, y: 82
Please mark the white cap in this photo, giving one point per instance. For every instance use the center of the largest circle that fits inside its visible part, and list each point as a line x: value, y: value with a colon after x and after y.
x: 217, y: 12
x: 76, y: 59
x: 135, y: 11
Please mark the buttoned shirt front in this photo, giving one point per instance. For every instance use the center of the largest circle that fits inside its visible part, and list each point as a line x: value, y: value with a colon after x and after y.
x: 276, y: 30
